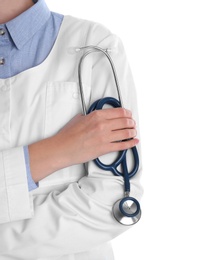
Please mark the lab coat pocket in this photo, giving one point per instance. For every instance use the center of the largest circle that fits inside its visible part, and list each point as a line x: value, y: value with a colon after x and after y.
x: 62, y: 104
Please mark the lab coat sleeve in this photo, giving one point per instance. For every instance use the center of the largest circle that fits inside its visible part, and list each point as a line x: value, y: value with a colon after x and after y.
x: 79, y: 217
x: 15, y: 202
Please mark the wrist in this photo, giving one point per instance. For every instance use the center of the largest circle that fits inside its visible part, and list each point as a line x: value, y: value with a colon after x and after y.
x: 61, y: 155
x: 44, y: 158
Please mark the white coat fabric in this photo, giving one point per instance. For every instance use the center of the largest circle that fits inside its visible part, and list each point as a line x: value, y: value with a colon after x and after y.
x: 69, y: 217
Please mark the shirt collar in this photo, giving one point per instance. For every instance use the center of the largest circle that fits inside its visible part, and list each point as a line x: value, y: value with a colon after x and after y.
x: 24, y: 26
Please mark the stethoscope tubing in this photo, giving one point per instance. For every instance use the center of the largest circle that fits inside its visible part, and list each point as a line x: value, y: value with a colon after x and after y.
x: 125, y: 215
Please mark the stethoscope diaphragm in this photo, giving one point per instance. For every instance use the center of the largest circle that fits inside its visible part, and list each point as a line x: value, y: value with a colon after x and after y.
x: 127, y: 211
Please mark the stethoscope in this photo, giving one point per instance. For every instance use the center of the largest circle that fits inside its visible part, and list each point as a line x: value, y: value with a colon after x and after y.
x: 127, y: 210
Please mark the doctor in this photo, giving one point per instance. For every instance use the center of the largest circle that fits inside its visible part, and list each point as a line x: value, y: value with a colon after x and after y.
x: 54, y: 202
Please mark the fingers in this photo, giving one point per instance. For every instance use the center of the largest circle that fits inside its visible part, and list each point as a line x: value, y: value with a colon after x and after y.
x: 114, y: 124
x: 112, y: 119
x: 121, y: 123
x: 124, y: 134
x: 120, y: 146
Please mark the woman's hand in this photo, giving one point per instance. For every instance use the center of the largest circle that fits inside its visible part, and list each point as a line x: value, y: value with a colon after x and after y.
x: 82, y: 139
x: 85, y: 138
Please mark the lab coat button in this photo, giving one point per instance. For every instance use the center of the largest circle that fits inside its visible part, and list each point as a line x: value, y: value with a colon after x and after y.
x: 4, y: 88
x: 2, y: 61
x: 2, y: 31
x: 75, y: 95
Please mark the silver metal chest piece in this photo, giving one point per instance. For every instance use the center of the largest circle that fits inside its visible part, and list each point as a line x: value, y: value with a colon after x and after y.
x: 127, y: 211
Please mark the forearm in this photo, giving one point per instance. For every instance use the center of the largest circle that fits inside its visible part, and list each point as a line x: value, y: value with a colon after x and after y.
x: 43, y: 158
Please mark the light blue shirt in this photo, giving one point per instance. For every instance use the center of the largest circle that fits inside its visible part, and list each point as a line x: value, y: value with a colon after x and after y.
x: 25, y: 42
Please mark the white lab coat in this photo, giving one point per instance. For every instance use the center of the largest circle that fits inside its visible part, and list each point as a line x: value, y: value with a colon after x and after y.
x: 69, y: 217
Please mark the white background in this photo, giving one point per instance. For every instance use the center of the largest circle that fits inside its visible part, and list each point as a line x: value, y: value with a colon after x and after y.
x: 167, y: 43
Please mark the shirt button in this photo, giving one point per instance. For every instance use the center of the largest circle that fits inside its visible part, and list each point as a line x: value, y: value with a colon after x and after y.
x: 2, y: 61
x: 2, y: 31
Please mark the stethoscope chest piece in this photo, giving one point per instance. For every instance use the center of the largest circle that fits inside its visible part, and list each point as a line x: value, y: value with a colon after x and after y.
x: 127, y: 211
